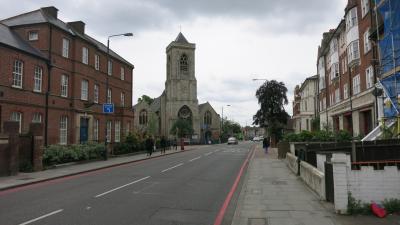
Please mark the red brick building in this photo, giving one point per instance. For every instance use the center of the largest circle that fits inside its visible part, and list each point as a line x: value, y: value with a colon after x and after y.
x: 54, y: 73
x: 347, y: 73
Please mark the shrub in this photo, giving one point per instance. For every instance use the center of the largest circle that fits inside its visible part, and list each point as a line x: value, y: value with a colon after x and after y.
x: 392, y: 205
x: 123, y: 148
x: 343, y: 136
x: 323, y: 136
x: 357, y: 207
x: 57, y: 154
x: 305, y: 136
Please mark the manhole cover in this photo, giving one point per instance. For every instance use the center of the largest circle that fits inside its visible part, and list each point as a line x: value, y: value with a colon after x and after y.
x: 279, y: 182
x: 257, y: 221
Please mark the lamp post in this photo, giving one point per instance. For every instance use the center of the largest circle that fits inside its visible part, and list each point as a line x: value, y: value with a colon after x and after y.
x: 108, y: 74
x: 222, y: 119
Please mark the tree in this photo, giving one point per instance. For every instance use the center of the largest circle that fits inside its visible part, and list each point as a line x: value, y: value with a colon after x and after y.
x: 146, y: 98
x: 182, y: 127
x: 231, y: 127
x: 272, y: 115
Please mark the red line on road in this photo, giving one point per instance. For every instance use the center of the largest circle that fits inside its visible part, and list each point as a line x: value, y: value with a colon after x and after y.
x: 228, y: 198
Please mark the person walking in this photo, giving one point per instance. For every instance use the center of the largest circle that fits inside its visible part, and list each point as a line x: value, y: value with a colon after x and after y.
x: 175, y: 142
x: 163, y: 143
x: 149, y: 146
x: 266, y: 144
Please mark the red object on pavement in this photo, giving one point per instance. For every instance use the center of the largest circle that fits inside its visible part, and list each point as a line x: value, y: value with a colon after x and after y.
x: 378, y: 210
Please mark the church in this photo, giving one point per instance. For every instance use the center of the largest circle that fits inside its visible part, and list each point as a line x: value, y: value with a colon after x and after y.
x: 178, y: 100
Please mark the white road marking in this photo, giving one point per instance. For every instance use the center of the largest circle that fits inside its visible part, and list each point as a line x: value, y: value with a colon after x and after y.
x: 195, y: 159
x: 133, y: 182
x: 208, y: 153
x: 180, y: 164
x: 41, y: 217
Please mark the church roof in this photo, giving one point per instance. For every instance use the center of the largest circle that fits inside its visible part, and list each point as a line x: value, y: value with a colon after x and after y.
x: 156, y: 105
x: 181, y: 39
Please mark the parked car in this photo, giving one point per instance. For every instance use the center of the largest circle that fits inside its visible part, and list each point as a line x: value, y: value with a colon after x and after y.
x: 232, y: 140
x: 258, y: 138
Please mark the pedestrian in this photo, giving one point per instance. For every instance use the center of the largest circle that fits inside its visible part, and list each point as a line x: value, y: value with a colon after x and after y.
x: 266, y: 144
x: 163, y: 143
x: 149, y: 145
x: 175, y: 142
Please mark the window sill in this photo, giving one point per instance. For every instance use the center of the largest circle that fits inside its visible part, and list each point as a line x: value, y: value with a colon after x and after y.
x: 37, y: 91
x: 17, y: 87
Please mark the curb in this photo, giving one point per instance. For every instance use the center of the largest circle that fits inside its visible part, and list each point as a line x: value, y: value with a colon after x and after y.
x: 86, y: 171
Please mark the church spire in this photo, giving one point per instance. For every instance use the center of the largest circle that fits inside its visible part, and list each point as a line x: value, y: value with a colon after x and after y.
x: 181, y: 39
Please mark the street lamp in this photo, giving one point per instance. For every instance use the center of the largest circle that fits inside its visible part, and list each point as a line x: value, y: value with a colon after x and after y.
x: 222, y: 119
x: 108, y: 69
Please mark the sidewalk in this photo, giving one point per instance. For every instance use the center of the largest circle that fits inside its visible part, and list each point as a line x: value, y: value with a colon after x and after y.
x: 273, y: 195
x: 76, y: 168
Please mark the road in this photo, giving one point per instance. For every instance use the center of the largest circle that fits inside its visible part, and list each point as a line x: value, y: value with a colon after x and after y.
x: 187, y: 188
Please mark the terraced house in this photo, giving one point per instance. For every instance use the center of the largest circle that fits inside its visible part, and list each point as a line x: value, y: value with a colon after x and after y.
x: 53, y: 73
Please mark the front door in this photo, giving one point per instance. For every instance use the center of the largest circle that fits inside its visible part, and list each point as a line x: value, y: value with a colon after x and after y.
x: 84, y: 130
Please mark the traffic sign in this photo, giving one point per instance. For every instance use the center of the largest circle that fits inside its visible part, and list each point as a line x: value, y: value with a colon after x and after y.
x: 108, y: 108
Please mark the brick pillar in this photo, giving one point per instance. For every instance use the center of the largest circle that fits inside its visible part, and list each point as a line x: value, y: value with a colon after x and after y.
x: 36, y: 129
x: 340, y: 165
x: 11, y: 128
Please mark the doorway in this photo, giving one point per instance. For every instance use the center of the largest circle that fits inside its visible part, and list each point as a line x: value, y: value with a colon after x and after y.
x: 84, y: 130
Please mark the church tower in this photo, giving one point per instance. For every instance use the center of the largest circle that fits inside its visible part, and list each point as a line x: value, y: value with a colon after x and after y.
x: 180, y: 97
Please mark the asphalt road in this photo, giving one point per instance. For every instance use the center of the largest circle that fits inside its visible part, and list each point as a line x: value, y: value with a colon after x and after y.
x: 180, y: 189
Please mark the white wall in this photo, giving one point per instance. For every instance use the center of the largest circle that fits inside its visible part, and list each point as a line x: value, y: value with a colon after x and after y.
x: 314, y: 178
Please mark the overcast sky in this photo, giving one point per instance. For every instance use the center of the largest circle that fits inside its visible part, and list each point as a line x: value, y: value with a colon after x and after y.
x: 236, y: 40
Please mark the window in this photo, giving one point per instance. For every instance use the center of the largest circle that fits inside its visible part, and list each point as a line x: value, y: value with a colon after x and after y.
x: 334, y: 45
x: 337, y: 95
x: 37, y: 118
x: 96, y: 130
x: 122, y: 73
x: 17, y: 73
x: 109, y: 68
x: 65, y: 48
x: 183, y: 63
x: 369, y: 76
x: 367, y: 42
x: 84, y: 90
x: 33, y: 35
x: 364, y: 7
x: 334, y: 71
x: 109, y: 127
x: 321, y: 82
x: 17, y: 117
x: 143, y: 117
x: 122, y: 99
x: 85, y: 55
x: 207, y: 118
x: 353, y: 51
x: 96, y: 94
x: 356, y: 85
x: 117, y: 132
x: 109, y: 97
x: 37, y: 86
x: 63, y: 130
x: 64, y: 85
x: 346, y: 91
x: 96, y: 62
x: 305, y: 105
x: 351, y: 18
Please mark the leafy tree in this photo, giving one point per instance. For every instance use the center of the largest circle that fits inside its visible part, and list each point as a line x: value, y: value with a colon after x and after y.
x: 182, y: 127
x: 146, y: 98
x: 272, y: 115
x: 231, y: 127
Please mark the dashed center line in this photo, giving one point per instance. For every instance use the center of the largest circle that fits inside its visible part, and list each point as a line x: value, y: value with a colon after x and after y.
x: 180, y: 164
x: 208, y: 153
x: 195, y: 159
x: 133, y: 182
x: 41, y: 217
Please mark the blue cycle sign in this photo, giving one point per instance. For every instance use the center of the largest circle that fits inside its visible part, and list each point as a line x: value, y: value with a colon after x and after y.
x: 108, y: 108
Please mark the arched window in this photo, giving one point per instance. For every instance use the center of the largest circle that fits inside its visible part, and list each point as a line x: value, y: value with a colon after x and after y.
x: 143, y: 117
x: 183, y: 62
x: 185, y: 113
x: 207, y: 118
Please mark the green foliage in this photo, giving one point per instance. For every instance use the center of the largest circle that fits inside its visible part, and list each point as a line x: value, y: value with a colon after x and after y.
x: 318, y: 136
x: 123, y: 148
x: 146, y: 98
x: 182, y: 127
x: 272, y: 115
x: 57, y: 154
x: 391, y: 205
x: 231, y: 127
x: 387, y: 133
x: 357, y: 207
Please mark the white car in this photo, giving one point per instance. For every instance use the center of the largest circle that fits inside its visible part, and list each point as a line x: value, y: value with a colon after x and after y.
x: 232, y: 140
x: 257, y: 138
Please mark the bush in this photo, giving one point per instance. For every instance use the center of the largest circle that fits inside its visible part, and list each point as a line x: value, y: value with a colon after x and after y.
x: 343, y: 136
x: 318, y: 136
x: 123, y: 148
x: 357, y: 207
x: 323, y: 136
x: 57, y: 154
x: 391, y: 205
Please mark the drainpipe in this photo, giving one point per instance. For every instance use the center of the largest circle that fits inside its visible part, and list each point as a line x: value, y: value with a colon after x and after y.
x: 49, y: 68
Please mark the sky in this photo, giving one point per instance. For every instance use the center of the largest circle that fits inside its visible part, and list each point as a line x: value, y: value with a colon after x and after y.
x: 236, y: 41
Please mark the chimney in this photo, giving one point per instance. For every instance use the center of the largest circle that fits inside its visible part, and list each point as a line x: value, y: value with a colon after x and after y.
x: 50, y: 11
x: 78, y: 26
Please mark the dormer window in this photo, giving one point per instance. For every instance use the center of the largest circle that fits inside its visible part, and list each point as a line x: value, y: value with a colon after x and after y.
x: 184, y: 67
x: 33, y: 35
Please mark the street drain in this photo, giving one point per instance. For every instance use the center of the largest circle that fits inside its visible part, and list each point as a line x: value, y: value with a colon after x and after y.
x: 257, y: 221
